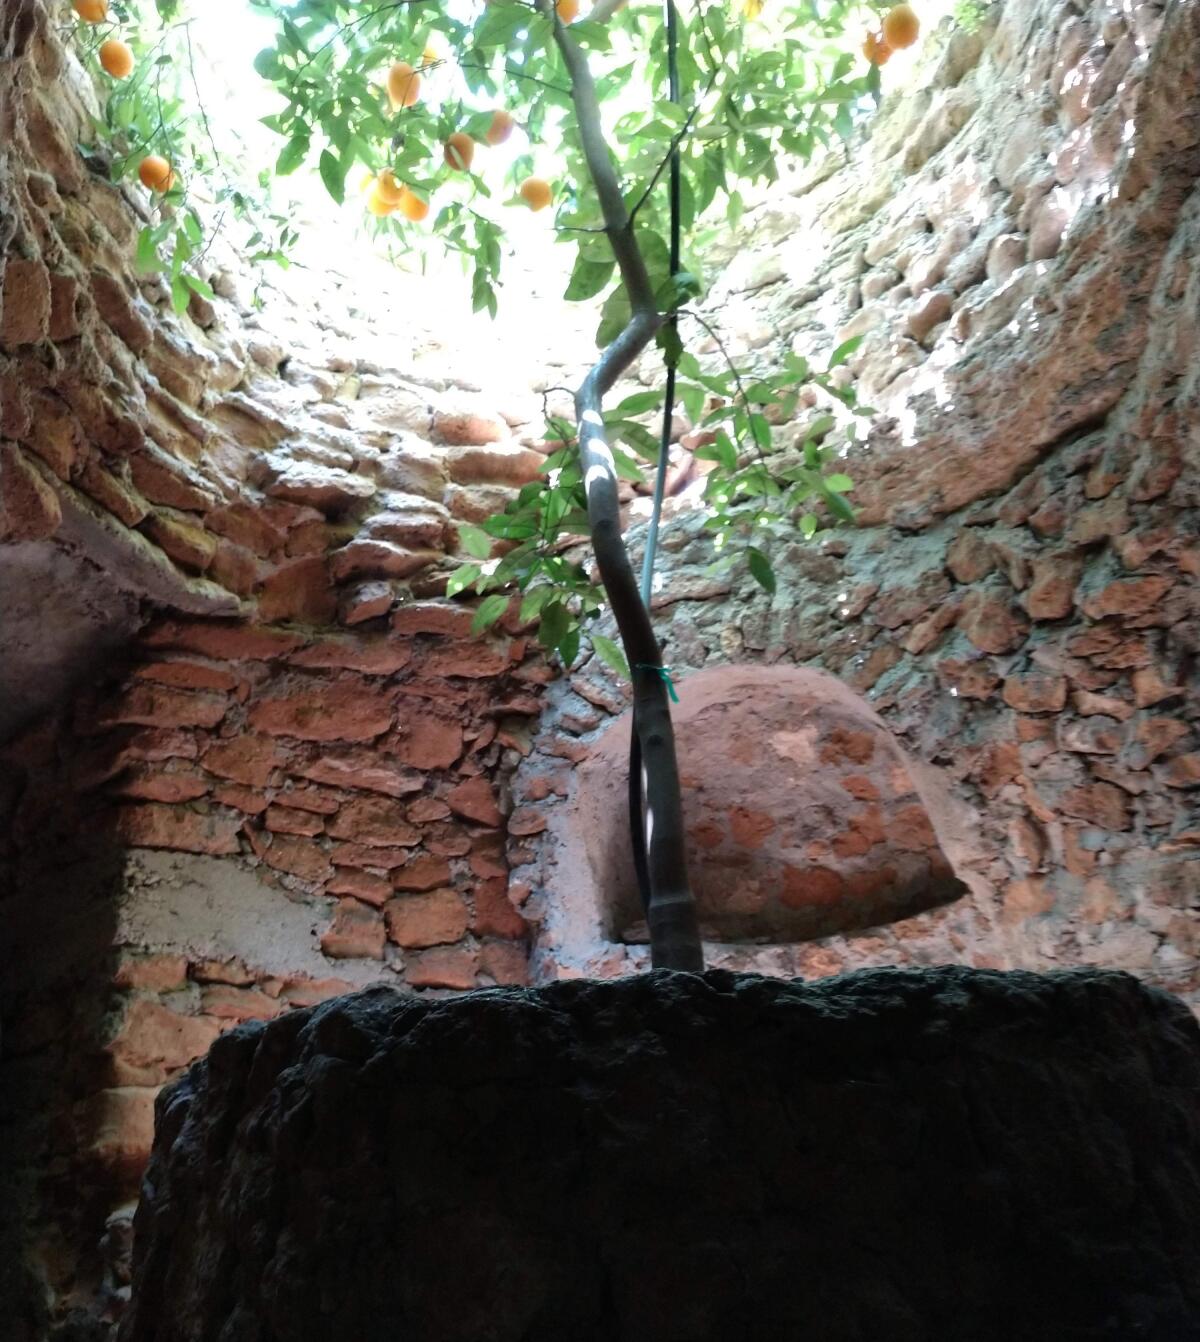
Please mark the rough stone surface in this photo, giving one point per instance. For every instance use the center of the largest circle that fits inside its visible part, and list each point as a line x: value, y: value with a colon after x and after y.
x: 893, y: 1154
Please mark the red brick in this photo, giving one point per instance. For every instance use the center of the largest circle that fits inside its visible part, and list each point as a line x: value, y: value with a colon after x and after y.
x: 117, y: 1131
x: 1127, y: 596
x: 968, y: 679
x: 181, y: 536
x: 374, y: 821
x: 366, y: 601
x: 421, y: 872
x: 1099, y: 804
x: 911, y: 829
x: 361, y: 769
x: 431, y: 919
x: 302, y: 992
x: 860, y: 787
x: 425, y: 809
x: 475, y: 661
x: 428, y: 742
x: 155, y: 1043
x: 241, y: 798
x: 475, y: 800
x: 289, y: 820
x: 371, y: 656
x: 365, y: 855
x: 432, y: 617
x: 347, y: 710
x: 494, y: 914
x: 1026, y: 899
x: 247, y: 758
x: 247, y: 525
x: 297, y: 857
x: 153, y: 973
x: 152, y: 825
x: 151, y: 705
x: 970, y: 557
x: 224, y: 1002
x: 363, y: 885
x: 1182, y: 772
x: 378, y: 559
x: 356, y: 933
x: 1051, y: 593
x: 235, y: 568
x: 226, y: 641
x: 526, y: 821
x: 232, y: 970
x: 992, y: 623
x: 506, y: 962
x: 471, y: 429
x: 447, y: 840
x: 188, y: 675
x: 1036, y: 692
x: 1149, y: 688
x: 444, y: 967
x: 147, y: 782
x: 300, y: 591
x: 322, y: 800
x: 1152, y: 737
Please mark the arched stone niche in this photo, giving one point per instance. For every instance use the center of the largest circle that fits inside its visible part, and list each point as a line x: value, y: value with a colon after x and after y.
x: 804, y: 816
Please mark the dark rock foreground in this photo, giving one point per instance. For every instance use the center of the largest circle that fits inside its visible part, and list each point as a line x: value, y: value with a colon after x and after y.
x: 943, y: 1155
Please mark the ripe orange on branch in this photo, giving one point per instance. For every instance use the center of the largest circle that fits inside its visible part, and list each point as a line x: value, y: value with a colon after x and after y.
x: 387, y: 188
x: 568, y: 10
x: 900, y: 27
x: 155, y: 173
x: 459, y: 150
x: 876, y: 50
x: 116, y: 58
x: 403, y: 84
x: 501, y: 127
x: 412, y: 206
x: 535, y: 192
x: 91, y: 11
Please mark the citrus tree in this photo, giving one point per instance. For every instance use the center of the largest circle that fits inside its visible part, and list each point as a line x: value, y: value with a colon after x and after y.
x: 657, y: 121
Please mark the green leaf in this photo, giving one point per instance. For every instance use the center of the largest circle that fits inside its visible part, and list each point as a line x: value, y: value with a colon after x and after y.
x: 760, y: 568
x: 611, y: 654
x: 147, y: 251
x: 556, y: 620
x: 588, y: 278
x: 568, y: 645
x: 845, y: 350
x: 839, y: 507
x: 292, y: 155
x: 614, y: 317
x: 475, y: 542
x: 199, y: 286
x: 490, y: 610
x: 266, y: 63
x: 179, y: 294
x: 839, y: 484
x: 626, y: 467
x: 333, y: 174
x: 462, y: 578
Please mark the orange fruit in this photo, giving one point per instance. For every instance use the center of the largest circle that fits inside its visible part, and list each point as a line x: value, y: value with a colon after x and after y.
x: 404, y: 84
x: 156, y: 173
x: 568, y: 10
x: 116, y: 58
x: 387, y: 188
x: 412, y: 206
x: 536, y: 193
x: 376, y: 204
x: 876, y: 50
x: 900, y: 27
x: 91, y: 11
x: 459, y: 150
x: 501, y: 127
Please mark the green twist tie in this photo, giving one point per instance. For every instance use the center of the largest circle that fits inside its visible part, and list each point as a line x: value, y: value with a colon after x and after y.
x: 664, y: 674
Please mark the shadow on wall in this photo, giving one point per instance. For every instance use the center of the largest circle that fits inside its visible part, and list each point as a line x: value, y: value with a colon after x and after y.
x: 805, y: 818
x: 60, y: 870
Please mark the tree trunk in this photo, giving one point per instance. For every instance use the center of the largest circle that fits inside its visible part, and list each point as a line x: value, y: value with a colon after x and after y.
x: 671, y: 913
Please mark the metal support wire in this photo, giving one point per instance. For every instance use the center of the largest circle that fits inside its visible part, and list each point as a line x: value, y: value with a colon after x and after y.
x: 636, y: 799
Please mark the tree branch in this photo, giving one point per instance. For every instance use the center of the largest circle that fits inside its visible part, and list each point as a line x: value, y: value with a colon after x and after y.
x: 674, y: 934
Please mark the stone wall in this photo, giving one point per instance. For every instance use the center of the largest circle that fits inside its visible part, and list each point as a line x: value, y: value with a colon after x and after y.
x: 277, y: 768
x: 1020, y: 604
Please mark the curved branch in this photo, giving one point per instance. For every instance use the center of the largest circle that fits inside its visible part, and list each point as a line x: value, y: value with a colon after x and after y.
x: 671, y: 914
